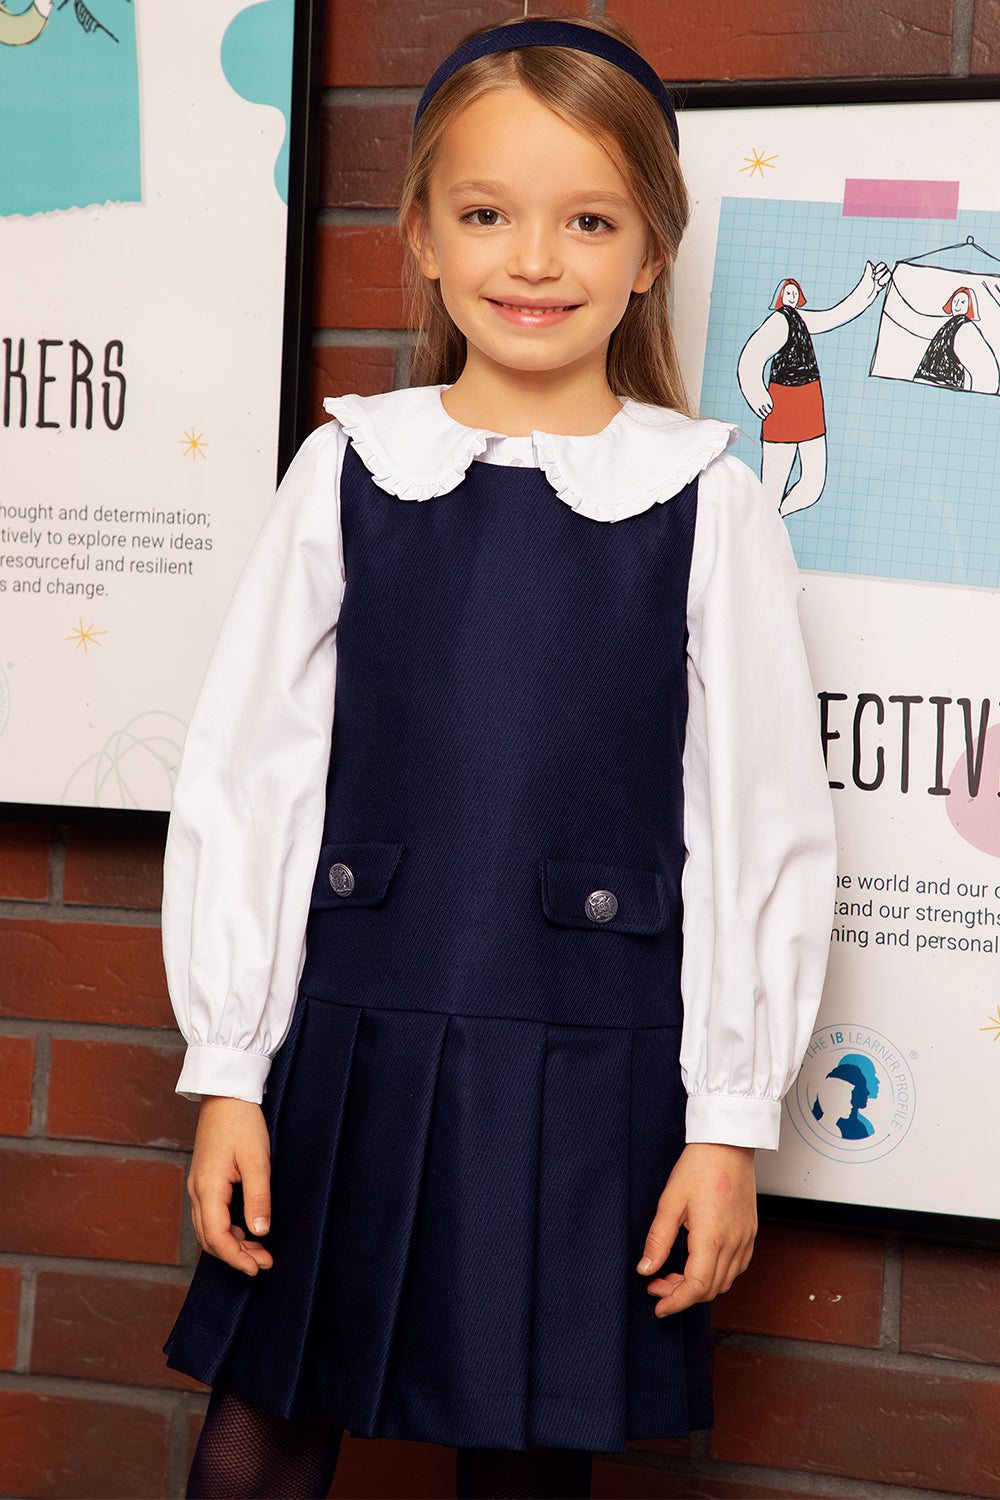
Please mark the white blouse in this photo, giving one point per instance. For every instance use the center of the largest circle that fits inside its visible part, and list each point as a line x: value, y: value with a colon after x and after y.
x: 250, y: 796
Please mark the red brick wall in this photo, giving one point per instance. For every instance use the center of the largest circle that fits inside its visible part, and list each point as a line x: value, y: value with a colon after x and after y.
x: 847, y: 1364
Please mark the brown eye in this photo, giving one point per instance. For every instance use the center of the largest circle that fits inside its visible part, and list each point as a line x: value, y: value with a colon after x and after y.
x: 486, y: 217
x: 591, y: 223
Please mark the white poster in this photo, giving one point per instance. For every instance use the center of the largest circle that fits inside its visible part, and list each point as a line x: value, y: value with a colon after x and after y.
x: 838, y: 298
x: 143, y: 188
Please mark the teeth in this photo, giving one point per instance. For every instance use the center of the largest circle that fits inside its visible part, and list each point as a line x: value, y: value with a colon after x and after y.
x: 532, y: 312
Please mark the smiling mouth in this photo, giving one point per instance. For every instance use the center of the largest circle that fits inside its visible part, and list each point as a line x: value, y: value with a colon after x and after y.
x: 534, y: 309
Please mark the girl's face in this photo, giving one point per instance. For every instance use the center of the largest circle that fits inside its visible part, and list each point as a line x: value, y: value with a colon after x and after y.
x: 960, y: 304
x: 534, y: 237
x: 790, y: 296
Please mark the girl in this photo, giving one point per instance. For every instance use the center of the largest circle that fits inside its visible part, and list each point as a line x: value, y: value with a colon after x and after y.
x: 791, y: 403
x: 545, y: 617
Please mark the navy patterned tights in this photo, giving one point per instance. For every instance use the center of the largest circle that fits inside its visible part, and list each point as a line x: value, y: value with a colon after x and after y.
x: 248, y: 1453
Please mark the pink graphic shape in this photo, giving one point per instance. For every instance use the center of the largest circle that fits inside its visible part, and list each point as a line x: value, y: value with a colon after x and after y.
x: 891, y: 198
x: 977, y: 819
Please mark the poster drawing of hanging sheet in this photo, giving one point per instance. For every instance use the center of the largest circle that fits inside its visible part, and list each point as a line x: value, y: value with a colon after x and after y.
x: 839, y: 300
x: 143, y: 187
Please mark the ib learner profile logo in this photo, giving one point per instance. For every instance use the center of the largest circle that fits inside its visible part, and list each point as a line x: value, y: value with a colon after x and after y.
x: 853, y: 1100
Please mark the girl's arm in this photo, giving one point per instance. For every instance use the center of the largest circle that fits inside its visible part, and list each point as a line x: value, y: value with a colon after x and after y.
x: 762, y: 344
x: 248, y: 806
x: 759, y: 878
x: 244, y: 838
x: 982, y: 370
x: 861, y: 297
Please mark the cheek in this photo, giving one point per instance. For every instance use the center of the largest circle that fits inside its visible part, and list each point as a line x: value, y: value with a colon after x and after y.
x: 459, y: 262
x: 459, y: 300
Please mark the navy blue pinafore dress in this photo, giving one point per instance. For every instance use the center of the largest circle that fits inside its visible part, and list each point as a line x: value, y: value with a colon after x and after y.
x: 479, y: 1100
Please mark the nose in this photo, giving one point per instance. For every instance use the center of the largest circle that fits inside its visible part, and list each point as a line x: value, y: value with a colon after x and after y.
x: 534, y: 253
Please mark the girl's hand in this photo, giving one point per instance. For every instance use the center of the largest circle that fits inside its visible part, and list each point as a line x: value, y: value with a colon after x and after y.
x: 712, y: 1192
x: 231, y: 1145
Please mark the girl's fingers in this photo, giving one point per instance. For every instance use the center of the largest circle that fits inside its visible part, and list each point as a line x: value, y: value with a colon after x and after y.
x: 259, y: 1254
x: 255, y: 1174
x: 711, y: 1191
x: 231, y: 1146
x: 659, y: 1241
x: 699, y: 1282
x: 704, y: 1278
x: 225, y: 1240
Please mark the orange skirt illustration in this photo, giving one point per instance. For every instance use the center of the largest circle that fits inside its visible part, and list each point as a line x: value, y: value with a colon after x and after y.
x: 797, y: 414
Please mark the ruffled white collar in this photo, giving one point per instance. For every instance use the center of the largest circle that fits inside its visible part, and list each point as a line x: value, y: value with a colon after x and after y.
x: 414, y: 450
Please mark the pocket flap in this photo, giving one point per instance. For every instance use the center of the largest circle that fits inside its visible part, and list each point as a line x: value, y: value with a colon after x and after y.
x: 582, y: 894
x: 354, y: 874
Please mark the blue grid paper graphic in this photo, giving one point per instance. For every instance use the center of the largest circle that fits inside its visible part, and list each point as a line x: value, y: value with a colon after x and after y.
x: 913, y: 482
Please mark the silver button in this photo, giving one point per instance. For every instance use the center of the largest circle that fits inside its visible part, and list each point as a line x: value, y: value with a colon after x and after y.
x: 517, y: 463
x: 601, y: 906
x: 341, y: 880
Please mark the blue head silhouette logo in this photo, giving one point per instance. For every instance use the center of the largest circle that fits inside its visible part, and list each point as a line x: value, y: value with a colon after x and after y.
x: 857, y: 1071
x: 855, y: 1096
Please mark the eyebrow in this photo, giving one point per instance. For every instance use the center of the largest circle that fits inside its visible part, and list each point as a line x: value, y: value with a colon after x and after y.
x: 484, y: 189
x: 481, y: 188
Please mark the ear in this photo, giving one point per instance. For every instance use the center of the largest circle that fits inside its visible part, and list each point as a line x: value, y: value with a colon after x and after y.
x: 419, y: 237
x: 648, y: 272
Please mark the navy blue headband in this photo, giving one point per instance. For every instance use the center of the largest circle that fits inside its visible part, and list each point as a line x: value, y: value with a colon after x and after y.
x: 553, y: 34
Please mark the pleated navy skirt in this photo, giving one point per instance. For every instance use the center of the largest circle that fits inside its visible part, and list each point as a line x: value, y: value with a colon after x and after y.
x: 458, y: 1207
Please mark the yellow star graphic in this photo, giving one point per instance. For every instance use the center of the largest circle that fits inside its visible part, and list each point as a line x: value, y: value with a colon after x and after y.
x: 193, y: 444
x: 85, y: 635
x: 993, y: 1025
x: 758, y: 161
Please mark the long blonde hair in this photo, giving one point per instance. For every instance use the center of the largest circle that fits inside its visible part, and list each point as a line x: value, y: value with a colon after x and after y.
x: 603, y: 102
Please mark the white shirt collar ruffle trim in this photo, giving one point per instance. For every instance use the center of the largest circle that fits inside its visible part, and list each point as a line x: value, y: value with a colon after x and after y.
x: 414, y: 450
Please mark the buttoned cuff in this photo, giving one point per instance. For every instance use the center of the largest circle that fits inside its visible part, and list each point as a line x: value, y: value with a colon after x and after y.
x: 733, y: 1120
x: 225, y: 1071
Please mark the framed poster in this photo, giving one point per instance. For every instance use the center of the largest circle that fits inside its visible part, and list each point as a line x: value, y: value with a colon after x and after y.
x: 153, y: 218
x: 838, y: 298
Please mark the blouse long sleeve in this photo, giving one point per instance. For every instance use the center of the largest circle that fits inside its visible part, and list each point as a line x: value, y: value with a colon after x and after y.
x: 759, y: 878
x: 248, y: 807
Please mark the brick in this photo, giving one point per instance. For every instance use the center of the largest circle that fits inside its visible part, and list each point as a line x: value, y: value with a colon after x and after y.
x: 808, y: 1284
x: 985, y: 56
x: 721, y: 39
x: 338, y: 371
x: 363, y: 154
x: 79, y: 971
x: 100, y: 1206
x: 118, y: 1092
x: 106, y: 1328
x: 115, y: 867
x: 675, y: 1447
x: 55, y: 1446
x: 17, y: 1066
x: 888, y: 1425
x: 24, y: 861
x: 381, y: 42
x: 379, y: 1470
x: 950, y: 1297
x: 359, y: 275
x: 10, y: 1298
x: 628, y: 1482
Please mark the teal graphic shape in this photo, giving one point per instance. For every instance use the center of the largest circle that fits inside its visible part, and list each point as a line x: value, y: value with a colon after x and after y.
x: 912, y: 486
x: 256, y: 57
x: 69, y: 114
